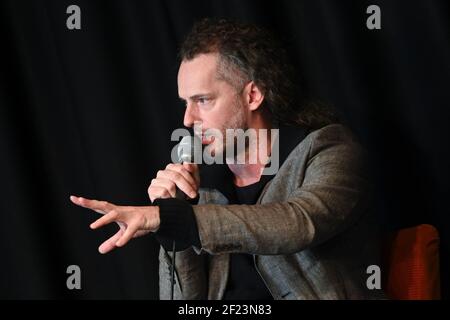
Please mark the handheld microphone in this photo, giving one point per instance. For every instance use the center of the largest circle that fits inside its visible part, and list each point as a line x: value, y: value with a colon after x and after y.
x: 187, y: 151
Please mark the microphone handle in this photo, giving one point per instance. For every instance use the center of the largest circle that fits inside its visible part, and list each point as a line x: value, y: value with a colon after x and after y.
x: 180, y: 194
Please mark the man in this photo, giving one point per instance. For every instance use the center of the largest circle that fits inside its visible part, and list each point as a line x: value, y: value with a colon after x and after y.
x: 305, y: 232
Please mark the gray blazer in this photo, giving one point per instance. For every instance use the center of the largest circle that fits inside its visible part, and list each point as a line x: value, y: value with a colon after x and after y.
x: 312, y: 232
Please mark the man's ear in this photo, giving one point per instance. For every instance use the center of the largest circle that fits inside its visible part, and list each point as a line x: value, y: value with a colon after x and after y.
x: 253, y: 96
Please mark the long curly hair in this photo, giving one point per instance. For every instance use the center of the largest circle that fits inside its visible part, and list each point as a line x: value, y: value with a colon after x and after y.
x: 250, y: 53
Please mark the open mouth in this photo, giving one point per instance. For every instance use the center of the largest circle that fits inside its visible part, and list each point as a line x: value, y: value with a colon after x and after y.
x: 207, y: 139
x: 205, y: 135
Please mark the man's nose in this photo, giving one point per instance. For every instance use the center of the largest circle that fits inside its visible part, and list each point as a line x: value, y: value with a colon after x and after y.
x: 189, y: 117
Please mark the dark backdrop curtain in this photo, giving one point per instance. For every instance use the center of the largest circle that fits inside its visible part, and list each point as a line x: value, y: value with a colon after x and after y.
x: 90, y: 112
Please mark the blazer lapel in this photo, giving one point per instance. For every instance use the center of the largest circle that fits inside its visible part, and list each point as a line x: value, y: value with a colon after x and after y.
x: 219, y: 266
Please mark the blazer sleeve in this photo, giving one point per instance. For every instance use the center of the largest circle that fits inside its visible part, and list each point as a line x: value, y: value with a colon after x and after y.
x: 332, y: 195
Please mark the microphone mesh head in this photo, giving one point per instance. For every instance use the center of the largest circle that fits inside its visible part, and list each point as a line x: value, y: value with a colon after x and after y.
x: 187, y: 149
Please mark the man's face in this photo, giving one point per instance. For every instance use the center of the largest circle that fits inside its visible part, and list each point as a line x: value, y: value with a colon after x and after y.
x: 211, y: 102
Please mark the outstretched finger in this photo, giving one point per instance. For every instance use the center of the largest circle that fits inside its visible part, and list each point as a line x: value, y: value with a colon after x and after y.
x: 127, y: 235
x: 98, y: 206
x: 111, y: 216
x: 110, y: 244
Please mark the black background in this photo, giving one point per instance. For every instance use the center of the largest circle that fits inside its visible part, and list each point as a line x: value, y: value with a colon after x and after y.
x: 90, y: 112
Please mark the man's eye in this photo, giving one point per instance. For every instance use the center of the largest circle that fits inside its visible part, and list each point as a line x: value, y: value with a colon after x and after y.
x: 203, y: 100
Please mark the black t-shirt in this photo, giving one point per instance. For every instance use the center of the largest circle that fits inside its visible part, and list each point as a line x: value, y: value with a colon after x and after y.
x: 244, y: 281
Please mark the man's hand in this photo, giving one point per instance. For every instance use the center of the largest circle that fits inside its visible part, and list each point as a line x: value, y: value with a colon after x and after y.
x: 184, y: 176
x: 133, y: 221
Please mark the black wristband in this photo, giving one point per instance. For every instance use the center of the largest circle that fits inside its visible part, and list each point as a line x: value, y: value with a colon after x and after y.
x: 177, y: 223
